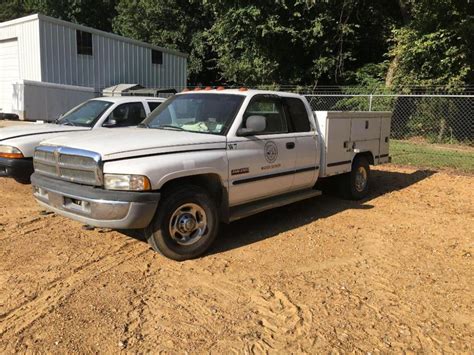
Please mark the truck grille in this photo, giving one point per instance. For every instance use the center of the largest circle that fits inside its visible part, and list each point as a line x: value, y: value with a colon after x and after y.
x: 75, y: 165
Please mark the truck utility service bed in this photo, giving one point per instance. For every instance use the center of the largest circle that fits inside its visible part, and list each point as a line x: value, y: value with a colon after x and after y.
x: 345, y: 134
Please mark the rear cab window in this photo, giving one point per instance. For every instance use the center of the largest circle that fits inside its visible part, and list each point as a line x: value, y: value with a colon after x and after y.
x: 298, y: 116
x: 153, y: 105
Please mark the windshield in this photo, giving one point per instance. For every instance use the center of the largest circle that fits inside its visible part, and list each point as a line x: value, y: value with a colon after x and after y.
x: 86, y: 114
x: 202, y: 113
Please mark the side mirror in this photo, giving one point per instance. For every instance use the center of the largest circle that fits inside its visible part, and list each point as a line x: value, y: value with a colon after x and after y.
x: 110, y: 123
x: 255, y: 124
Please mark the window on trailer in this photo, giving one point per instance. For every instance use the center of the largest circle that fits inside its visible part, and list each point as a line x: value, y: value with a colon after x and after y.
x: 84, y: 42
x: 156, y: 57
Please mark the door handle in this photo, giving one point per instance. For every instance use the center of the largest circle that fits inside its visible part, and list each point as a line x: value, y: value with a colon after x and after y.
x: 290, y: 145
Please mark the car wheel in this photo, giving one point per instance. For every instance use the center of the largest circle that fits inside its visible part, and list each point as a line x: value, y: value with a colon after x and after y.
x: 185, y: 224
x: 356, y: 183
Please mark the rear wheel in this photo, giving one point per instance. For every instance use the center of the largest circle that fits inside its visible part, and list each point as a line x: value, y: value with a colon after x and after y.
x: 185, y: 225
x: 356, y: 183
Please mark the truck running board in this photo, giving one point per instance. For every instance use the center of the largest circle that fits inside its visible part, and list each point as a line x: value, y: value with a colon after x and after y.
x: 251, y: 208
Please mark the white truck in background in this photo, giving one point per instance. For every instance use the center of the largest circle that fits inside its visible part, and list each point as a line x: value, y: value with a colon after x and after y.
x: 205, y: 157
x: 17, y: 143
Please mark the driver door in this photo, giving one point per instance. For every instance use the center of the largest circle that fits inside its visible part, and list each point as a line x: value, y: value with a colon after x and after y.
x: 262, y: 165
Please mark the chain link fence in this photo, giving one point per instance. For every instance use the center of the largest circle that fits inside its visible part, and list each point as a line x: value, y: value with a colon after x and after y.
x: 430, y: 128
x: 433, y: 131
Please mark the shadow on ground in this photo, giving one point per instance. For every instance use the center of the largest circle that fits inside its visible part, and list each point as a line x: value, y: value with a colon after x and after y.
x: 273, y: 222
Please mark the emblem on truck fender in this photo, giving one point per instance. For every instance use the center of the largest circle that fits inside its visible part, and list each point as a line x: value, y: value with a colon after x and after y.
x: 271, y: 151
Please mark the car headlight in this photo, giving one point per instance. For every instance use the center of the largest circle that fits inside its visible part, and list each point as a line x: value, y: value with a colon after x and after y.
x: 9, y: 152
x: 126, y: 182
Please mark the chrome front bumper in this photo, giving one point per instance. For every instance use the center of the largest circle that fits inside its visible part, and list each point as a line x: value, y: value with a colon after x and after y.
x: 96, y: 207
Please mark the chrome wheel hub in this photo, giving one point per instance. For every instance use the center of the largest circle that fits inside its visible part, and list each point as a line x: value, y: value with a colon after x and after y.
x: 188, y: 224
x: 360, y: 179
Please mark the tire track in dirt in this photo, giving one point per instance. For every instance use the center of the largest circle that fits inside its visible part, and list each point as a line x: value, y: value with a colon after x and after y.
x: 282, y: 321
x: 25, y: 227
x: 23, y: 316
x: 276, y: 319
x: 133, y: 329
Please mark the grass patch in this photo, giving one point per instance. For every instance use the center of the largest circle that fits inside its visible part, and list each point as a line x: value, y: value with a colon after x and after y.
x: 432, y: 156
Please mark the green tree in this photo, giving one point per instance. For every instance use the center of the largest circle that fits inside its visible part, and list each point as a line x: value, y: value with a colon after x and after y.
x: 179, y: 24
x: 369, y: 43
x: 435, y: 46
x: 287, y: 42
x: 92, y: 13
x: 11, y: 9
x: 97, y: 14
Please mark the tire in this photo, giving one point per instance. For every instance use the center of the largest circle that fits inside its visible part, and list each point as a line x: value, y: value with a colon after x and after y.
x: 356, y: 183
x: 174, y: 231
x: 23, y: 180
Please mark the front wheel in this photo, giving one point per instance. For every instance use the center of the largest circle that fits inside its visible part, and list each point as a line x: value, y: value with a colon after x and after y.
x: 23, y: 180
x: 356, y: 183
x: 185, y: 225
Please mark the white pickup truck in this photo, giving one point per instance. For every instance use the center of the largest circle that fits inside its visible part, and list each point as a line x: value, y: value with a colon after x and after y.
x: 205, y: 157
x: 17, y: 143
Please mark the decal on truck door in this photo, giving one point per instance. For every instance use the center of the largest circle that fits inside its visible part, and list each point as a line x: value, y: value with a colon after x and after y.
x: 271, y: 152
x: 239, y: 171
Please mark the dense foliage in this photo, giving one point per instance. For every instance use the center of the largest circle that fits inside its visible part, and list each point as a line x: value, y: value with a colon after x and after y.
x: 376, y: 43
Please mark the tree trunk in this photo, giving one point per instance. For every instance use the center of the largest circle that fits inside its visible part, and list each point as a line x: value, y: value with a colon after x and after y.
x: 392, y: 68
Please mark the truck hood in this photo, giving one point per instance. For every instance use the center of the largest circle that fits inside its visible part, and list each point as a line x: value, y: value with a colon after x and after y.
x: 35, y: 129
x: 122, y: 143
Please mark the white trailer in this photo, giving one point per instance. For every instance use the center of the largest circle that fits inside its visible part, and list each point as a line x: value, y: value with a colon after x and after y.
x: 35, y: 100
x: 42, y: 49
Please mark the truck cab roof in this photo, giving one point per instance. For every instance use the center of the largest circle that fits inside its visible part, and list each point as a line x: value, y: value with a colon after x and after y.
x: 120, y: 99
x: 241, y: 92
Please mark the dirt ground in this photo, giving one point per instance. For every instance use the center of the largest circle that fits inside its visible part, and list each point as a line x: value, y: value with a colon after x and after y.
x: 389, y: 274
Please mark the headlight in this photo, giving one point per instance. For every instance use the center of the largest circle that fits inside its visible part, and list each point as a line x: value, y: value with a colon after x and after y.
x: 10, y: 152
x: 126, y: 182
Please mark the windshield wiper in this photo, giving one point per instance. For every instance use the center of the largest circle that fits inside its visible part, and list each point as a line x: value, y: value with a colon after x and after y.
x: 143, y: 125
x: 164, y: 126
x: 69, y: 123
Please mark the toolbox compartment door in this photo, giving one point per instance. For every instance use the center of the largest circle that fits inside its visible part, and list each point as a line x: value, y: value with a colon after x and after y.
x: 365, y: 128
x: 338, y: 145
x: 384, y: 138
